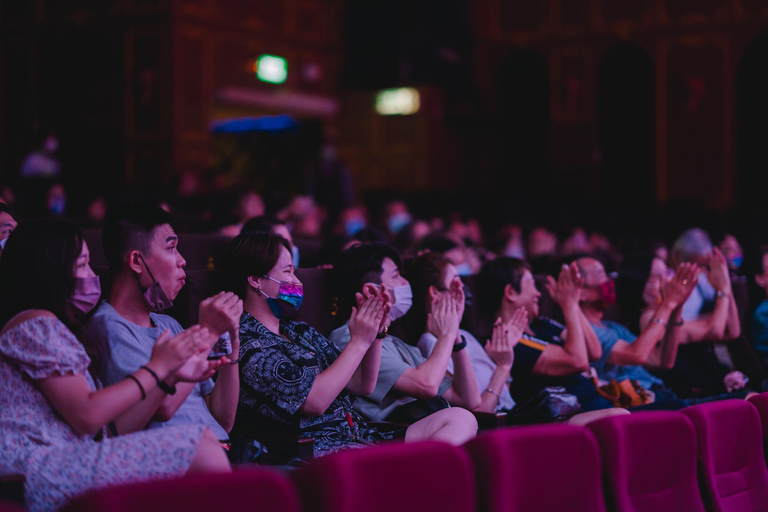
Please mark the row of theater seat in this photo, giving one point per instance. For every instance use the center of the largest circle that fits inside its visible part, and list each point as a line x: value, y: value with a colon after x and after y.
x: 706, y: 457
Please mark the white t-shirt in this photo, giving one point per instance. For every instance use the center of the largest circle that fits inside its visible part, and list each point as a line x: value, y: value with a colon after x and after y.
x: 481, y: 362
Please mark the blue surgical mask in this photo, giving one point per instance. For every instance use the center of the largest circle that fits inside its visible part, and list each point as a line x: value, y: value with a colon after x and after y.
x: 398, y: 221
x: 464, y: 269
x: 295, y: 254
x: 736, y: 262
x: 3, y: 242
x: 352, y: 226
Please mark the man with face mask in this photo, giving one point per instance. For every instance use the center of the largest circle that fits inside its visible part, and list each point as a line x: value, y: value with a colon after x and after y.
x: 408, y: 384
x: 623, y: 353
x: 147, y: 273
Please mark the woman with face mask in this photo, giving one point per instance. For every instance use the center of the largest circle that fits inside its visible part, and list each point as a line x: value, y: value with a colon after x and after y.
x: 294, y: 383
x: 53, y: 419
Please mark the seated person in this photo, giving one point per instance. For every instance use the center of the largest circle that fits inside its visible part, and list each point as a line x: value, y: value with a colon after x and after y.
x: 624, y: 354
x: 408, y: 385
x: 760, y: 318
x: 147, y: 273
x: 700, y: 367
x: 7, y: 225
x: 548, y: 354
x: 52, y: 415
x: 433, y: 276
x: 295, y: 383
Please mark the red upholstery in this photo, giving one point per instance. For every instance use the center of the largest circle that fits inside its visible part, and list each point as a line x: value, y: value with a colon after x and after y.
x: 761, y: 404
x: 251, y: 489
x: 649, y: 462
x: 415, y: 477
x: 541, y: 468
x: 731, y: 461
x: 10, y: 507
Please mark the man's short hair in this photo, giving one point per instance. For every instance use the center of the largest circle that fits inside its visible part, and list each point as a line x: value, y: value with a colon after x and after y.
x: 130, y: 227
x: 694, y: 242
x: 358, y: 265
x: 494, y: 277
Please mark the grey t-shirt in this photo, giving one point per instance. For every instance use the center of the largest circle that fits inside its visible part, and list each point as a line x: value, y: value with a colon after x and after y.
x: 396, y: 357
x: 125, y: 346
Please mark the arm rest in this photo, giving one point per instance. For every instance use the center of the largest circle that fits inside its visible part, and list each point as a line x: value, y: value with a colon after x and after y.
x: 386, y: 426
x: 490, y: 420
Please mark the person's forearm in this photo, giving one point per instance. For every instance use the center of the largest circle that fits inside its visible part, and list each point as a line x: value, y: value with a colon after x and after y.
x: 649, y: 337
x: 158, y: 406
x: 464, y: 381
x: 363, y: 381
x: 490, y: 399
x: 225, y: 396
x: 575, y: 344
x: 594, y: 349
x: 331, y: 381
x: 431, y: 372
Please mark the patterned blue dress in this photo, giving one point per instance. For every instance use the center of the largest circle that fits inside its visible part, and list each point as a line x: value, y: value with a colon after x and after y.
x: 276, y: 376
x: 36, y: 441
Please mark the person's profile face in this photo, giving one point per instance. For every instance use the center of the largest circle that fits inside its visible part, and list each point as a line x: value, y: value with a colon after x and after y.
x: 82, y: 264
x: 165, y: 262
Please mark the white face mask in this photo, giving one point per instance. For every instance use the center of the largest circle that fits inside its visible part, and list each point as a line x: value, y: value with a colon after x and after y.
x: 3, y: 242
x: 403, y: 301
x: 464, y: 269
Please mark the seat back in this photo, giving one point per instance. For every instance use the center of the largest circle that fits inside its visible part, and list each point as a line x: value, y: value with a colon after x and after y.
x: 403, y: 477
x: 546, y: 468
x: 649, y: 462
x: 731, y: 461
x: 761, y: 404
x: 251, y: 489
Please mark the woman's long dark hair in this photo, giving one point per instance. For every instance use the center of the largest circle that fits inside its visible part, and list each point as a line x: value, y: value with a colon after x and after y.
x: 37, y: 269
x: 422, y: 272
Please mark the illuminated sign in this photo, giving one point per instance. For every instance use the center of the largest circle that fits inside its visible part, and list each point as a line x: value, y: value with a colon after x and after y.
x: 271, y: 68
x: 397, y: 102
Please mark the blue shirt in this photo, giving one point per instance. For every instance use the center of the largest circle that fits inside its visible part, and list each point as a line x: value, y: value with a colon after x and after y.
x: 609, y: 333
x: 760, y: 328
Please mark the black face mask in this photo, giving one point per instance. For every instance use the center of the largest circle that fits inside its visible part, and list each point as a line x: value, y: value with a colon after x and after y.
x: 154, y: 295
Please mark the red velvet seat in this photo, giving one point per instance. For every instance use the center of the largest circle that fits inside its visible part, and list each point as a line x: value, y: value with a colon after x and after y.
x: 649, y: 462
x: 10, y: 507
x: 731, y: 460
x: 544, y: 468
x: 251, y: 489
x: 417, y: 477
x: 761, y: 404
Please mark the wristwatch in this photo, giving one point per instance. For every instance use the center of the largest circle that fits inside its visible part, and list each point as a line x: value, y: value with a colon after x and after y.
x: 460, y: 346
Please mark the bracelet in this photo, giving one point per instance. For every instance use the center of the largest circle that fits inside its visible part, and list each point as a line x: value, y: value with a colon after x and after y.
x: 498, y: 397
x: 168, y: 390
x: 660, y: 322
x: 235, y: 361
x: 460, y: 346
x: 134, y: 379
x: 721, y: 293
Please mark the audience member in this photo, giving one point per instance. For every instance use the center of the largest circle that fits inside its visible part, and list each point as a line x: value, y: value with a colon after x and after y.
x: 147, y: 273
x: 7, y: 225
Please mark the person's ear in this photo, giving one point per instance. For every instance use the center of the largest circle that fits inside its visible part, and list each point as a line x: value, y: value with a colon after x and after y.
x: 254, y: 282
x: 133, y: 261
x: 369, y: 290
x: 433, y: 292
x: 509, y: 293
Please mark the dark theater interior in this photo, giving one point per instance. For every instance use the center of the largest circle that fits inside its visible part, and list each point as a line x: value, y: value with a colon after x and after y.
x: 384, y: 255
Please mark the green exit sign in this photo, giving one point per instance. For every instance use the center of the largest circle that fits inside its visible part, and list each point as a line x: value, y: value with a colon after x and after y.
x: 272, y: 69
